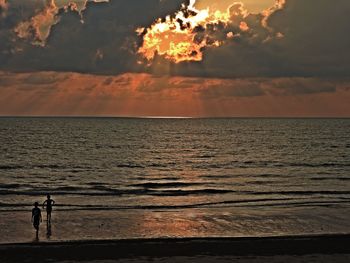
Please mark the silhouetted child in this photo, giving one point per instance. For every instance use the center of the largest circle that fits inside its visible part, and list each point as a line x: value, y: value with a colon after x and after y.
x: 36, y: 216
x: 48, y: 203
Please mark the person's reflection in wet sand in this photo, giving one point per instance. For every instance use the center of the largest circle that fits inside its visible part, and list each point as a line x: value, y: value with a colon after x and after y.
x: 36, y: 239
x: 48, y: 230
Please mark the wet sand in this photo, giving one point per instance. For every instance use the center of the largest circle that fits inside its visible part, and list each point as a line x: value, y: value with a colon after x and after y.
x: 15, y: 227
x: 335, y: 247
x: 178, y: 236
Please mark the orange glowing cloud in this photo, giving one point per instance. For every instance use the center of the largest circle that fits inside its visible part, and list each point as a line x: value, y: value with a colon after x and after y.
x: 3, y: 8
x: 38, y: 28
x: 3, y: 4
x: 185, y: 35
x: 175, y: 38
x: 279, y: 4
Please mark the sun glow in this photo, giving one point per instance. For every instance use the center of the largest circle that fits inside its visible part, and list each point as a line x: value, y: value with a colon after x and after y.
x: 183, y: 37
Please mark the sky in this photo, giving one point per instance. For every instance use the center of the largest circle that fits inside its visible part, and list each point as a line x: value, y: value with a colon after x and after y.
x: 254, y: 58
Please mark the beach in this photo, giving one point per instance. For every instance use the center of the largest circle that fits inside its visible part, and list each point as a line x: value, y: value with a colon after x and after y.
x: 213, y: 190
x: 158, y: 236
x: 328, y: 248
x: 84, y: 225
x: 177, y: 131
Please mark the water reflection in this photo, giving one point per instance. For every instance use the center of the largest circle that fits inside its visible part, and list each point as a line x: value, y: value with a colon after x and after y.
x: 36, y: 238
x: 178, y: 224
x: 48, y: 230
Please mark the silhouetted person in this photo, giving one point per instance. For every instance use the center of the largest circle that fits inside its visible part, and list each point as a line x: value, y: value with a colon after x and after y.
x: 48, y: 203
x: 36, y: 217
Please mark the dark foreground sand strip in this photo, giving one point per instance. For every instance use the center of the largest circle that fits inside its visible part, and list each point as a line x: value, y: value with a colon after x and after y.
x: 115, y: 249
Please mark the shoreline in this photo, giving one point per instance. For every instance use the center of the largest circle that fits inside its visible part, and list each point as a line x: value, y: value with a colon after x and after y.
x: 170, y: 247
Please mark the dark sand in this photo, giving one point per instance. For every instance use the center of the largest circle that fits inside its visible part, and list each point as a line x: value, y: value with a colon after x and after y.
x: 332, y: 248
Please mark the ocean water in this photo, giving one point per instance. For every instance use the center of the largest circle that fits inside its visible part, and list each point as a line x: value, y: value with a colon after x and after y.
x: 212, y: 177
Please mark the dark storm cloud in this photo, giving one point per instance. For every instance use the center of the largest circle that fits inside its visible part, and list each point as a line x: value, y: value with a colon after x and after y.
x: 304, y: 39
x: 313, y: 43
x: 12, y: 12
x: 105, y: 42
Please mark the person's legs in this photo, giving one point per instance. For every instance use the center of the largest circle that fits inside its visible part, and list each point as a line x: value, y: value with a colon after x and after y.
x: 36, y: 225
x: 49, y: 216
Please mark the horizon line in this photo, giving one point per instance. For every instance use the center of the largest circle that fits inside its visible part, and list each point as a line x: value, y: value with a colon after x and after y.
x: 174, y: 117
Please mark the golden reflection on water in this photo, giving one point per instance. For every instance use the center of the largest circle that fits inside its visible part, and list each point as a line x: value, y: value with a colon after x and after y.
x: 179, y: 225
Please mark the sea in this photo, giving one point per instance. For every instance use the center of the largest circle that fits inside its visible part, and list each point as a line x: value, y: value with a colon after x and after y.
x: 183, y: 177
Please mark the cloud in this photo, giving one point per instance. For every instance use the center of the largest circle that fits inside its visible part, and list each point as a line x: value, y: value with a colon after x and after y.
x: 302, y: 39
x: 37, y: 29
x: 104, y: 43
x: 300, y: 86
x: 3, y: 8
x: 276, y: 87
x: 31, y: 80
x: 55, y: 93
x: 229, y: 91
x: 289, y: 60
x: 295, y: 39
x: 185, y: 35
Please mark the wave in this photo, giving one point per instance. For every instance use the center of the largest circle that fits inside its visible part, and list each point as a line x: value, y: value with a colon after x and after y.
x: 130, y: 166
x: 302, y: 192
x: 319, y: 164
x: 165, y: 185
x: 330, y: 178
x: 263, y: 202
x: 46, y: 166
x: 104, y: 191
x: 207, y: 191
x: 11, y: 167
x: 244, y: 176
x: 156, y: 178
x: 205, y: 156
x: 11, y: 186
x: 204, y: 165
x: 101, y: 190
